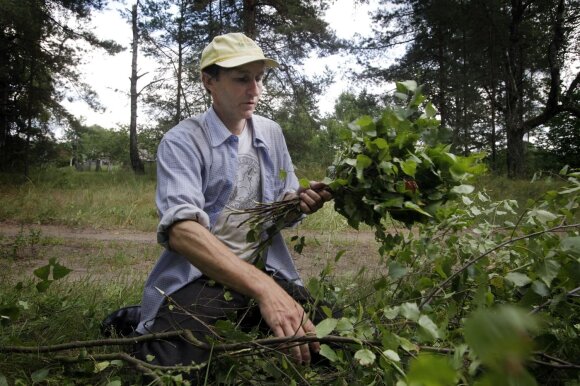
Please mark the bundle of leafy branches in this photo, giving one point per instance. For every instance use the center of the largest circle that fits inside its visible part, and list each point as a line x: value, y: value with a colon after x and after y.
x: 394, y: 166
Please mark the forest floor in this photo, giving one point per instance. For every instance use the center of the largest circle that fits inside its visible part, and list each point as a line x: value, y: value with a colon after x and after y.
x: 123, y: 254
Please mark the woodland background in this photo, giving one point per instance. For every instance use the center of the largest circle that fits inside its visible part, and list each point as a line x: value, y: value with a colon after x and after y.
x: 487, y: 295
x: 504, y: 76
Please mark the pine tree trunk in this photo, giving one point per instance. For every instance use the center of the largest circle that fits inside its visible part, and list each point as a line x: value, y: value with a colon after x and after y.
x: 514, y: 95
x: 136, y: 162
x: 249, y: 18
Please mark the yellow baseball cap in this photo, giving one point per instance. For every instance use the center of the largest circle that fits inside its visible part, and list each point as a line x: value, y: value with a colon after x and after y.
x: 232, y: 50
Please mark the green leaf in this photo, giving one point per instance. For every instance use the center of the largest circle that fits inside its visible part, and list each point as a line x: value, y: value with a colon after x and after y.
x: 463, y: 189
x: 519, y: 279
x: 328, y: 353
x: 282, y: 174
x: 42, y: 272
x: 543, y: 215
x: 396, y: 270
x: 40, y: 375
x: 407, y: 345
x: 24, y: 305
x: 59, y: 271
x: 408, y: 85
x: 401, y: 96
x: 409, y: 167
x: 391, y: 312
x: 430, y: 111
x: 344, y: 325
x: 431, y: 370
x: 365, y: 357
x: 339, y: 254
x: 392, y: 355
x: 43, y: 285
x: 304, y: 183
x: 325, y: 327
x: 116, y: 382
x: 500, y: 337
x: 416, y: 208
x: 564, y: 170
x: 118, y: 363
x: 100, y: 366
x: 362, y: 162
x: 3, y: 380
x: 540, y: 288
x: 381, y: 143
x: 427, y: 324
x: 410, y: 311
x: 571, y: 244
x: 548, y: 271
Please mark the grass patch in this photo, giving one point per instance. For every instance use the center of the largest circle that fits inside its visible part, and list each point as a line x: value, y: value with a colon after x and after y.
x: 120, y: 199
x: 66, y: 312
x: 107, y: 200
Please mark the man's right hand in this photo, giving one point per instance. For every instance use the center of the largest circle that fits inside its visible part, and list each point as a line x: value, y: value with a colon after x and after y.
x: 287, y: 318
x: 280, y: 311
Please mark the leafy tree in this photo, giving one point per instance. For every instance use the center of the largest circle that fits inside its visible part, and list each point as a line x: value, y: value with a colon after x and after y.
x: 98, y: 144
x: 349, y: 107
x: 175, y: 32
x: 494, y: 68
x: 562, y: 140
x: 39, y: 53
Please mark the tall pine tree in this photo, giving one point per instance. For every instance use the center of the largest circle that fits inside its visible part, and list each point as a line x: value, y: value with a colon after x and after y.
x: 39, y: 57
x: 492, y: 66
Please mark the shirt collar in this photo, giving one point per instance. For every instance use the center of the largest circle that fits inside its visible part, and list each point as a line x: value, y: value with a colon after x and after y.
x: 218, y: 133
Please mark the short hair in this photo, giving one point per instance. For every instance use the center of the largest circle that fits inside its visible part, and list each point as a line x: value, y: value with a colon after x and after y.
x: 213, y: 70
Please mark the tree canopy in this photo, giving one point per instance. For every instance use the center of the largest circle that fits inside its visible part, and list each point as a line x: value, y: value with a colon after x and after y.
x: 500, y: 74
x: 495, y: 69
x: 39, y: 51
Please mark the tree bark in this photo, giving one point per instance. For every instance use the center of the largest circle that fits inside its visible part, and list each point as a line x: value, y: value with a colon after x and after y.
x: 514, y: 84
x: 136, y: 162
x: 249, y: 18
x: 516, y: 127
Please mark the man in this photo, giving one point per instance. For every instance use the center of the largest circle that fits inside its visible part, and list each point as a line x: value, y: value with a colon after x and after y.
x: 209, y: 167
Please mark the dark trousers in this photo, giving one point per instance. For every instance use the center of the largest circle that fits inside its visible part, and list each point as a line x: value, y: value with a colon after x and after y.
x: 197, y: 307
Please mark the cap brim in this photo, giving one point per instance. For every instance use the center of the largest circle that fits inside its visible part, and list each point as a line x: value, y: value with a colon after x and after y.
x: 241, y: 60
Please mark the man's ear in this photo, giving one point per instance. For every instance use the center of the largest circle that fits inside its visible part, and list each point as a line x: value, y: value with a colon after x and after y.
x: 207, y: 80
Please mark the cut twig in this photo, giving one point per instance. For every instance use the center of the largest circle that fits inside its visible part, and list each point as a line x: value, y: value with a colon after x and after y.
x: 429, y: 297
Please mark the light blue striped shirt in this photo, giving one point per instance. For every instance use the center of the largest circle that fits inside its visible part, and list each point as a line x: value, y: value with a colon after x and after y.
x: 196, y: 169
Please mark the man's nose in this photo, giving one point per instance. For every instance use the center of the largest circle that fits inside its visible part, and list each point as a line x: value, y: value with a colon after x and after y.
x: 254, y: 87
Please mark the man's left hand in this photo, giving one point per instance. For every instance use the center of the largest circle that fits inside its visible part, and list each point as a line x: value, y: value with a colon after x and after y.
x: 313, y: 198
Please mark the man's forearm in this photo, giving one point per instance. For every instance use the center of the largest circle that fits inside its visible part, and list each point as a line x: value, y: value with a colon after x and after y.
x: 215, y: 260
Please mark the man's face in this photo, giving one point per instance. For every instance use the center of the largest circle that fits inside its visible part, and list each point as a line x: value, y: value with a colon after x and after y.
x: 235, y: 93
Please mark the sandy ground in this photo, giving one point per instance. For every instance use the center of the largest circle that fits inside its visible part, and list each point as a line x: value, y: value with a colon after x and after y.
x: 129, y: 255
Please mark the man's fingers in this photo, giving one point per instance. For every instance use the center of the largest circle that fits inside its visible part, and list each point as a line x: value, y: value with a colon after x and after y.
x: 299, y: 352
x: 310, y: 329
x: 311, y: 201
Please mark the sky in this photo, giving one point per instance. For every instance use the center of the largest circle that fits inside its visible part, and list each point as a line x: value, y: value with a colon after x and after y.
x: 110, y: 75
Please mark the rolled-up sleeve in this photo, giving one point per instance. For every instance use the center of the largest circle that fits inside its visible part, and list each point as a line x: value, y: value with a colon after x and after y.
x: 179, y: 185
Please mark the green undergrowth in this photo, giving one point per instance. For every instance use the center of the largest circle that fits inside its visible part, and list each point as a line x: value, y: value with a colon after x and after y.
x: 66, y: 311
x: 120, y: 199
x: 103, y: 200
x: 474, y: 299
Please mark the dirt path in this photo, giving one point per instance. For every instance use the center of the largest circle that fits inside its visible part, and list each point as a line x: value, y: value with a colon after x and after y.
x: 57, y: 231
x: 123, y: 254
